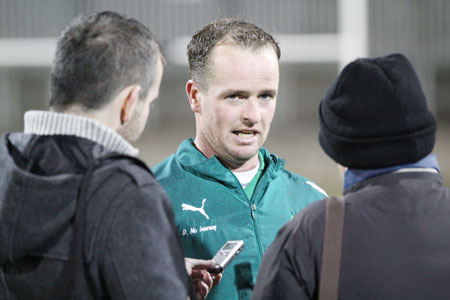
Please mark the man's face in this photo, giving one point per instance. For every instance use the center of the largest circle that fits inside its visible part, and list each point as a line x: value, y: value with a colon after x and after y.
x: 238, y: 103
x: 133, y: 129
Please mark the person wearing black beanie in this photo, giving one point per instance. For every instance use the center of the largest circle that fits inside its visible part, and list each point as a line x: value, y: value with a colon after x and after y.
x: 393, y: 242
x: 375, y: 115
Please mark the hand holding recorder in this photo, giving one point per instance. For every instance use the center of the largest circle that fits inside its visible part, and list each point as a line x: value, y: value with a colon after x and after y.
x: 225, y: 255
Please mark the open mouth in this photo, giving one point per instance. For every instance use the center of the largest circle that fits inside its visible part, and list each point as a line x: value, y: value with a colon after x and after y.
x: 245, y: 133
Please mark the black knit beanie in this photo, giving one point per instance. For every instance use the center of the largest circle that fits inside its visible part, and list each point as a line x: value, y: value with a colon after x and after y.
x: 375, y: 115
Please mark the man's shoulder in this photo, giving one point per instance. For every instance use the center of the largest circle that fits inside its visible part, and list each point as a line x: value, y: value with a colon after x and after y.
x: 309, y: 222
x: 177, y: 163
x: 276, y: 168
x: 126, y: 182
x: 122, y: 166
x: 313, y: 213
x: 299, y: 181
x: 165, y: 168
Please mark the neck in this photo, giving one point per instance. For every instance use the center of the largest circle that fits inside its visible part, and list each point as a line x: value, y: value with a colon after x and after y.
x: 242, y: 167
x: 102, y: 116
x: 231, y: 163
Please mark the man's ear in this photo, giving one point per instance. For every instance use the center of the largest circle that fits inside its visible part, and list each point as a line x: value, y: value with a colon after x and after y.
x: 130, y: 96
x: 193, y: 93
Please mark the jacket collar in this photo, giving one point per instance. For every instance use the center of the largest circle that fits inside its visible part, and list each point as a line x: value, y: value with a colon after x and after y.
x: 393, y: 177
x: 54, y: 123
x: 194, y: 161
x: 426, y: 164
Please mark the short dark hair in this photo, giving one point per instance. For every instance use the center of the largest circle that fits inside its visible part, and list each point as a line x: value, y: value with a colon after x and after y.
x: 97, y: 56
x: 236, y: 31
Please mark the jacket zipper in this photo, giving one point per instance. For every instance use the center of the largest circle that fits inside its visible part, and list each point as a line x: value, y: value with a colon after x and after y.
x: 252, y: 213
x: 255, y: 226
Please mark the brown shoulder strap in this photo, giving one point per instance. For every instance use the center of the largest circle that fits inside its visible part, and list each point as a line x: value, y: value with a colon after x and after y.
x: 332, y: 247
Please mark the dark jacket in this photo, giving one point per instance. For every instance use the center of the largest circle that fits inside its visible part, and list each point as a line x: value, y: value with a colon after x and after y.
x: 130, y: 249
x: 396, y: 244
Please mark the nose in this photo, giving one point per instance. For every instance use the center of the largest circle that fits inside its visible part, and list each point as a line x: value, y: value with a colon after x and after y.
x: 251, y: 112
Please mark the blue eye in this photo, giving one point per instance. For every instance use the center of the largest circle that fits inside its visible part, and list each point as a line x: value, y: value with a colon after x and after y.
x: 265, y: 97
x: 234, y: 97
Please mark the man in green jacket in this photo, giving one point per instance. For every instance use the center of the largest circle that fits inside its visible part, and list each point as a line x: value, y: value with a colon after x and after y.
x: 223, y: 184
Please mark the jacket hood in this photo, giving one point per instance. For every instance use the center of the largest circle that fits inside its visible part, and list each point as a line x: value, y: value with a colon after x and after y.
x: 37, y: 199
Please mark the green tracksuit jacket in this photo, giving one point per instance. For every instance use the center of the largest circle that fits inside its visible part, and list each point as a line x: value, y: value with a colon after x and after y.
x: 211, y: 208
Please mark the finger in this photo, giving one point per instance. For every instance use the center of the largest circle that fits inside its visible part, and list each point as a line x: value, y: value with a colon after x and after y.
x: 197, y: 264
x: 200, y: 264
x: 216, y: 278
x: 207, y: 278
x: 188, y: 265
x: 202, y: 289
x: 196, y: 274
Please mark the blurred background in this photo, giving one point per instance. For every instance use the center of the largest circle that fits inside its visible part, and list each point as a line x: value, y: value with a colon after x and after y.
x: 317, y: 38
